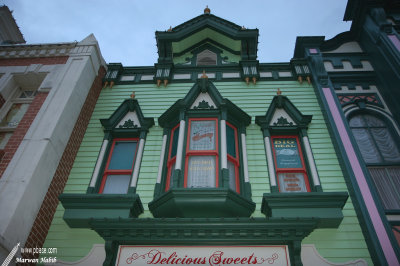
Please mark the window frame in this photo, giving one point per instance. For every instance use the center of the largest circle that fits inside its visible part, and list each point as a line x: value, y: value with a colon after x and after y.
x: 214, y: 152
x: 302, y: 170
x: 235, y: 161
x: 171, y: 161
x: 106, y: 172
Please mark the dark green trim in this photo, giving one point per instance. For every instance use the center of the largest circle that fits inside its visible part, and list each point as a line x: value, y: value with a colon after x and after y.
x: 249, y: 38
x: 280, y: 101
x: 199, y: 202
x: 327, y: 206
x: 202, y: 231
x: 129, y: 105
x: 80, y: 209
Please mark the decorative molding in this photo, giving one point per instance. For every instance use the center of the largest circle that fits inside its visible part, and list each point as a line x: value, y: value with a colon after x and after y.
x: 282, y: 121
x: 368, y: 98
x: 128, y: 124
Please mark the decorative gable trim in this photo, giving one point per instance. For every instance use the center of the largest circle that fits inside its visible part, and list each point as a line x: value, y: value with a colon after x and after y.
x: 127, y: 120
x: 203, y: 96
x: 130, y: 120
x: 283, y: 115
x: 281, y: 118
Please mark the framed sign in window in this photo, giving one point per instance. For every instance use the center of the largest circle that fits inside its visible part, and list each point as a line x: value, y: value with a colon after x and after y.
x: 289, y: 164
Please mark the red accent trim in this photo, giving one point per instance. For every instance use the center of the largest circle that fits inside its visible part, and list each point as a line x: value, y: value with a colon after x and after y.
x: 202, y: 152
x: 235, y: 160
x: 108, y: 172
x: 290, y: 170
x: 170, y: 160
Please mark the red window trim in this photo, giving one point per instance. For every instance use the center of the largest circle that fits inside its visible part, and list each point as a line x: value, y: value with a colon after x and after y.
x: 202, y: 152
x: 290, y: 170
x: 119, y: 172
x: 235, y: 161
x: 170, y: 160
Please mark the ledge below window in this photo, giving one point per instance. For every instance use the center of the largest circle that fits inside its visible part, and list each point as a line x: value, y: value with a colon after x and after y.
x: 206, y: 203
x: 326, y: 206
x: 80, y: 209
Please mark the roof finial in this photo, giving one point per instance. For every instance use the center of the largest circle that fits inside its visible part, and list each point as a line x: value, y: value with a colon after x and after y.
x: 207, y: 10
x: 170, y: 29
x: 279, y: 92
x: 204, y: 76
x: 133, y: 95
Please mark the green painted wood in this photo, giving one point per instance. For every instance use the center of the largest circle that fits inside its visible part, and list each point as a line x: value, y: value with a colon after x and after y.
x: 337, y: 245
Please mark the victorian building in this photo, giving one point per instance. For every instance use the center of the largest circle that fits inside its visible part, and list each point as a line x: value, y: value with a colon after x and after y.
x: 212, y: 157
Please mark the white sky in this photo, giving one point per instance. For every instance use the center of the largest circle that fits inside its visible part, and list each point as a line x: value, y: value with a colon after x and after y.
x: 125, y: 29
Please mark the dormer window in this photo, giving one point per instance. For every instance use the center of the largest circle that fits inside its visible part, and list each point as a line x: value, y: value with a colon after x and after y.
x: 206, y: 58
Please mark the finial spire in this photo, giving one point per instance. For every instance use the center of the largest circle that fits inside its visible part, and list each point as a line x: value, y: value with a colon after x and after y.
x: 133, y: 95
x: 279, y: 92
x: 204, y: 76
x: 207, y: 10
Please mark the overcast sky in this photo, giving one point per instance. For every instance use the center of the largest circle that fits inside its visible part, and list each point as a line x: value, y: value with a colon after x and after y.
x: 125, y: 29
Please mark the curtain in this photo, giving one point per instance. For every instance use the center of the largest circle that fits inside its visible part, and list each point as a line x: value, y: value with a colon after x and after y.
x: 366, y: 145
x: 292, y: 182
x: 201, y: 171
x: 387, y: 181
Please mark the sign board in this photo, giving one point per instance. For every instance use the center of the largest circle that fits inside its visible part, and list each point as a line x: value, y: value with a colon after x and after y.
x: 203, y: 255
x: 287, y: 153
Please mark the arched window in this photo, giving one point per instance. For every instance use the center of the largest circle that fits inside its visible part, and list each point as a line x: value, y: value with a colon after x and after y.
x: 379, y: 147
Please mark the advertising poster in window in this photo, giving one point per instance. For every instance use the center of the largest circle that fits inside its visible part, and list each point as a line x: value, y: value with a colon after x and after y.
x: 202, y: 135
x: 287, y: 153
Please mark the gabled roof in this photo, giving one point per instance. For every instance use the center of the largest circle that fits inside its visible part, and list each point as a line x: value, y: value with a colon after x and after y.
x: 207, y: 26
x: 215, y: 103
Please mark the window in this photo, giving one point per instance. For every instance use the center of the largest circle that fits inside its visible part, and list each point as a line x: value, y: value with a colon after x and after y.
x: 233, y: 157
x: 289, y: 164
x: 172, y: 156
x: 380, y: 150
x: 202, y: 153
x: 207, y: 58
x: 120, y: 163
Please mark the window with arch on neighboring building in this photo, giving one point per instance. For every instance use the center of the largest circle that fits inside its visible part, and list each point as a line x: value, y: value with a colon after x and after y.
x: 378, y: 143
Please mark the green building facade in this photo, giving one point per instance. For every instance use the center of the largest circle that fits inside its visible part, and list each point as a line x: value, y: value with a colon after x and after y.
x: 205, y: 156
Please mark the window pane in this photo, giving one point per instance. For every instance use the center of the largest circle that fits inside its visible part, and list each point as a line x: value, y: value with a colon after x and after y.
x: 387, y: 182
x: 292, y: 182
x: 174, y: 142
x: 232, y: 175
x: 386, y: 144
x: 171, y: 171
x: 4, y: 137
x: 14, y: 115
x: 230, y: 141
x: 287, y: 153
x: 123, y: 155
x: 117, y: 184
x: 201, y: 171
x: 366, y: 145
x: 202, y: 135
x: 374, y: 121
x: 357, y: 121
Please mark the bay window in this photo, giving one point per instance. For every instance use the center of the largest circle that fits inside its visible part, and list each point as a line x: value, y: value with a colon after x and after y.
x: 203, y: 158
